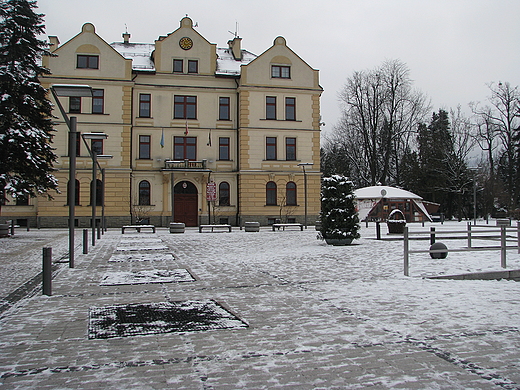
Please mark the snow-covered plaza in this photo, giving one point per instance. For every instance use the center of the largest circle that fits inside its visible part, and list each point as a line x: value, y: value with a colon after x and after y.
x: 316, y: 316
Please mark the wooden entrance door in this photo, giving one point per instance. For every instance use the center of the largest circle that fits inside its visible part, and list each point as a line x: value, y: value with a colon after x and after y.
x: 186, y: 203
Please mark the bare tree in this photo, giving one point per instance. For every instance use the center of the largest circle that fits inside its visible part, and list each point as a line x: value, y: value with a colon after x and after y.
x: 380, y: 115
x: 500, y: 127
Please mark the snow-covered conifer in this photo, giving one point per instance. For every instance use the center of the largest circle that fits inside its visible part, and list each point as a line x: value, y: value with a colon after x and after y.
x: 26, y: 126
x: 339, y: 217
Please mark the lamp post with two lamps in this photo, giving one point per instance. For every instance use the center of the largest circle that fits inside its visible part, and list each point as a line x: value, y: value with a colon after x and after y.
x: 64, y: 90
x: 303, y: 165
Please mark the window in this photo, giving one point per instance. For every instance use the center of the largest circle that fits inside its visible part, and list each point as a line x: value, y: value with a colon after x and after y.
x: 270, y: 148
x: 185, y: 148
x: 223, y: 148
x: 144, y: 193
x: 88, y: 61
x: 193, y: 66
x: 223, y: 194
x: 75, y: 104
x: 178, y: 66
x: 96, y: 146
x: 145, y: 103
x: 290, y: 109
x: 270, y: 193
x: 290, y: 149
x: 99, y: 192
x: 280, y: 71
x: 223, y: 109
x: 22, y: 200
x: 144, y: 146
x: 98, y: 101
x: 185, y: 107
x: 270, y: 107
x: 290, y: 194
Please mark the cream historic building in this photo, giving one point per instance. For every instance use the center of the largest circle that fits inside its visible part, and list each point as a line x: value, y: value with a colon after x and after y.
x: 181, y: 113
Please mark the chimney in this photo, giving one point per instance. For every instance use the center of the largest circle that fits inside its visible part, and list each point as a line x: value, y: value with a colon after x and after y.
x: 54, y: 42
x: 126, y: 37
x: 234, y: 45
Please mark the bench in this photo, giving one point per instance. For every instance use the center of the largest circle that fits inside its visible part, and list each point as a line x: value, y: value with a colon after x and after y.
x: 137, y: 228
x: 212, y: 227
x: 284, y: 225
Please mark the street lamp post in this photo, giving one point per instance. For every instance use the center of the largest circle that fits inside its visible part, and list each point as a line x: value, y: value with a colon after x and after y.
x: 303, y: 165
x: 95, y: 165
x: 71, y: 91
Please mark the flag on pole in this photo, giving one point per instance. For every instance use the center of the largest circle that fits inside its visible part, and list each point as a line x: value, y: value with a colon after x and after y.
x: 186, y: 131
x: 209, y: 138
x: 162, y: 139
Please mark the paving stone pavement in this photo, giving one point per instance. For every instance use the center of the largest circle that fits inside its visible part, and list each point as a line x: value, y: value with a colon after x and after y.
x: 306, y: 331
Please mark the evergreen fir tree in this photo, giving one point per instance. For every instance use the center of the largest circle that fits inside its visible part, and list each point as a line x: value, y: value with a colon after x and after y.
x: 339, y: 217
x: 25, y: 112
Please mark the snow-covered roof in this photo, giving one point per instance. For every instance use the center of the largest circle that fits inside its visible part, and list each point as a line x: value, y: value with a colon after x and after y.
x: 226, y: 63
x: 139, y: 53
x: 141, y: 56
x: 378, y: 192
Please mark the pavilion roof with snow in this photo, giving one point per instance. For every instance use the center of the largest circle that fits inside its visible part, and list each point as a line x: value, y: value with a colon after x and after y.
x: 376, y: 202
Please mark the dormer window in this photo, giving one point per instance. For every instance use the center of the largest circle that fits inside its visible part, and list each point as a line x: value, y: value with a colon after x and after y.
x: 87, y: 61
x: 280, y: 71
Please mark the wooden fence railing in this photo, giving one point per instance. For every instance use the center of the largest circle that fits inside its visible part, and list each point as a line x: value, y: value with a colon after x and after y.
x: 499, y: 233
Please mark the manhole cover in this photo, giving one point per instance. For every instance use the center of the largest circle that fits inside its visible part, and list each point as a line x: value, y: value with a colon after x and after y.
x: 146, y: 277
x: 163, y: 317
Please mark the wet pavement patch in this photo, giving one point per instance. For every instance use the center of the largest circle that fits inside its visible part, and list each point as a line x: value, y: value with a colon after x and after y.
x: 146, y: 277
x: 162, y: 317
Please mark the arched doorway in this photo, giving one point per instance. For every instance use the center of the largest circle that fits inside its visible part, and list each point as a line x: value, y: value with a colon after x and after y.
x: 186, y: 203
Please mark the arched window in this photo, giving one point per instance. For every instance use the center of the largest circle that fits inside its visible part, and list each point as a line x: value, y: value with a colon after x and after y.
x: 223, y: 194
x: 144, y: 193
x: 99, y: 192
x: 270, y: 193
x: 290, y: 194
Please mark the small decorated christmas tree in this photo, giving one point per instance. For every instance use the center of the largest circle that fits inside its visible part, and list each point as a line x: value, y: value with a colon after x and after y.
x: 339, y: 218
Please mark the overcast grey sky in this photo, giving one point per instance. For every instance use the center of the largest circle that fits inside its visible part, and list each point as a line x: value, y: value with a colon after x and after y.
x: 452, y: 47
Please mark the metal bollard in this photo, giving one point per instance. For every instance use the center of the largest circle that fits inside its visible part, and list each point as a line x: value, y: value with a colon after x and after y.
x: 432, y: 235
x: 47, y: 271
x: 85, y: 241
x: 378, y: 230
x: 98, y: 232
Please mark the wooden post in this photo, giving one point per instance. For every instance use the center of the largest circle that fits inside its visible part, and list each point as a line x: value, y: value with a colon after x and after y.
x: 406, y: 254
x: 518, y: 235
x: 503, y: 247
x: 469, y: 234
